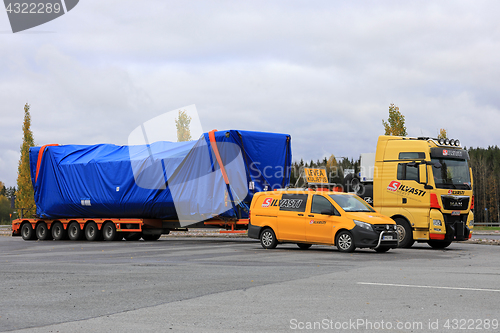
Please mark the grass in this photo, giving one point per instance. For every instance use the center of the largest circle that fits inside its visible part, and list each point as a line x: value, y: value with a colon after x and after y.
x: 484, y: 228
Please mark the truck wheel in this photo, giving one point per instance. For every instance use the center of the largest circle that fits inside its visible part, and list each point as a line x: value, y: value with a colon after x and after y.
x: 133, y: 236
x: 42, y: 232
x: 74, y: 231
x: 109, y: 232
x: 303, y: 246
x: 268, y: 239
x: 92, y: 232
x: 58, y: 232
x: 382, y: 249
x: 151, y: 237
x: 405, y: 234
x: 439, y: 244
x: 27, y: 232
x: 345, y: 242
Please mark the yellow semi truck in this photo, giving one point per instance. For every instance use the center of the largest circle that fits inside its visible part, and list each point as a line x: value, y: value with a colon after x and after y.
x: 423, y: 184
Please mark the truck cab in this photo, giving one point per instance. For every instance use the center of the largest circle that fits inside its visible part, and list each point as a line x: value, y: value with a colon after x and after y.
x: 425, y: 185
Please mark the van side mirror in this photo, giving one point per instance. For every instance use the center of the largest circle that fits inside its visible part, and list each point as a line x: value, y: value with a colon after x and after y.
x: 328, y: 212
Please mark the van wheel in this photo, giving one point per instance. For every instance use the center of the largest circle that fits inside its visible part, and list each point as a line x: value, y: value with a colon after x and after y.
x: 268, y: 239
x: 345, y: 242
x: 405, y: 234
x: 303, y: 246
x: 438, y: 244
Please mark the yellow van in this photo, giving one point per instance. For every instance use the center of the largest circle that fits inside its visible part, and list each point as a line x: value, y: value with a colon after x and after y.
x: 318, y: 217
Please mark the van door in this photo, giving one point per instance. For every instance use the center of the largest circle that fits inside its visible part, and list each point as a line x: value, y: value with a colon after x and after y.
x: 291, y: 217
x: 319, y: 227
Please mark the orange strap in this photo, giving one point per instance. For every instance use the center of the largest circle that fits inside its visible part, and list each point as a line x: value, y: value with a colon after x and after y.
x: 39, y: 161
x: 213, y: 143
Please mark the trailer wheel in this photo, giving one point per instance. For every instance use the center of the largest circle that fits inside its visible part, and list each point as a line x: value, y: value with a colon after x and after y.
x: 42, y: 232
x: 58, y: 232
x: 439, y: 244
x: 151, y: 237
x: 74, y: 231
x: 405, y: 234
x: 303, y: 246
x: 345, y: 242
x: 268, y: 239
x: 92, y: 232
x: 109, y: 232
x: 27, y: 232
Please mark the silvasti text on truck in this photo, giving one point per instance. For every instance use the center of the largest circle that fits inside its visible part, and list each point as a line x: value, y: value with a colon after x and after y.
x: 424, y: 184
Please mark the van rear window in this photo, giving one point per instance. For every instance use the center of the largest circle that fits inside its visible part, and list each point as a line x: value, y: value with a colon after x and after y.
x: 293, y: 202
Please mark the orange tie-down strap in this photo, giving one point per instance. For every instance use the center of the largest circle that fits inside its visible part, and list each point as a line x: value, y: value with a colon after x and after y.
x: 213, y: 143
x: 39, y: 160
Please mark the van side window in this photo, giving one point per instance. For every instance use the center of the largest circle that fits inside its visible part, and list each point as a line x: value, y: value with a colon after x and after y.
x: 320, y: 203
x: 411, y: 156
x: 406, y: 172
x: 293, y: 202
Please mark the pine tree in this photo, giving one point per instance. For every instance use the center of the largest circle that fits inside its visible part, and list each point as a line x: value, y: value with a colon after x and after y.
x: 24, y: 194
x: 182, y: 124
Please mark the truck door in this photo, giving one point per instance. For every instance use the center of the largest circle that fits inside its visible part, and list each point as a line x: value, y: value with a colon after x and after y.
x: 291, y: 217
x: 319, y: 226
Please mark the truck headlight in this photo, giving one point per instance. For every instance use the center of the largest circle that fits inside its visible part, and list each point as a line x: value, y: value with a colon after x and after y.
x: 437, y: 222
x: 363, y: 225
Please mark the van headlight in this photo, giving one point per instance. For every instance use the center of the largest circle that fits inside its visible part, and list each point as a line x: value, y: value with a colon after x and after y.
x: 437, y: 222
x: 363, y: 225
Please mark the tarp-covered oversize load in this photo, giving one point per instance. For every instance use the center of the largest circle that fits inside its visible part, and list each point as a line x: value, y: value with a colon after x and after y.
x: 164, y: 180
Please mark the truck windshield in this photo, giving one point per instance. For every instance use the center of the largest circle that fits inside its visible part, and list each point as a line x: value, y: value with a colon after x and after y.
x: 453, y: 174
x: 351, y: 203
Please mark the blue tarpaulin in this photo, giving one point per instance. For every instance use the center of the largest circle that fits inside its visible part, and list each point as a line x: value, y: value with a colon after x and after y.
x: 163, y: 180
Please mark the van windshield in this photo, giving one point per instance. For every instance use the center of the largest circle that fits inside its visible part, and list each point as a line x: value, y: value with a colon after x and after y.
x: 351, y: 203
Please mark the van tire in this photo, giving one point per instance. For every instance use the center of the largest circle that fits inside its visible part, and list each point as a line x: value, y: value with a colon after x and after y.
x: 345, y: 242
x: 405, y: 234
x: 303, y: 246
x: 268, y: 239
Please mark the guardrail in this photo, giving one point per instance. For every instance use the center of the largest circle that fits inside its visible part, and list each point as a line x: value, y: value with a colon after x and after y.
x: 487, y: 224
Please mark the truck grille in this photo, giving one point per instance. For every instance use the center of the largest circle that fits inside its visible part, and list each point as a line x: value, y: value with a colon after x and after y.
x: 455, y: 202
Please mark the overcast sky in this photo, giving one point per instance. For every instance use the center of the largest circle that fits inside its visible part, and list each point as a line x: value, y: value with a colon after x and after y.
x: 323, y: 71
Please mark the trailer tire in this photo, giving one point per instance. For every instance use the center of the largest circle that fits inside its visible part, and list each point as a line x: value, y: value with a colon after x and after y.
x: 303, y: 246
x: 439, y: 244
x: 58, y: 232
x: 27, y: 232
x: 405, y: 234
x: 74, y: 231
x: 92, y: 232
x: 268, y: 239
x: 42, y: 232
x: 109, y: 232
x: 345, y: 241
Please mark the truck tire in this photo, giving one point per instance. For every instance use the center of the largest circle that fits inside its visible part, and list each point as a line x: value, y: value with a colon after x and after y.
x: 42, y: 232
x: 58, y: 232
x: 109, y: 232
x: 268, y: 239
x: 405, y: 234
x: 133, y: 236
x: 74, y: 231
x: 151, y: 237
x: 345, y: 242
x: 27, y: 232
x: 439, y: 244
x: 92, y: 232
